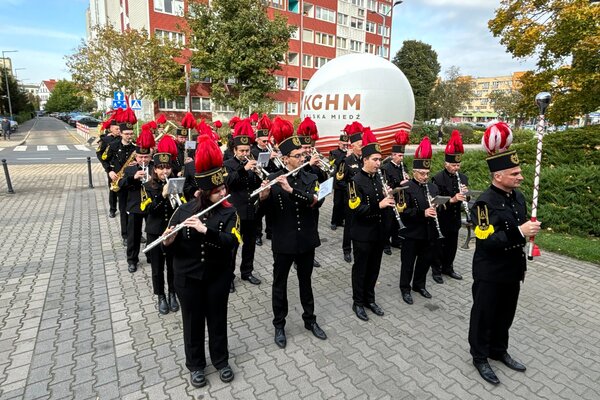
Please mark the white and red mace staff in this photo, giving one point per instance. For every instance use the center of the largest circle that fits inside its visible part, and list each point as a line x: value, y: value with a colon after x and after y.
x: 542, y: 100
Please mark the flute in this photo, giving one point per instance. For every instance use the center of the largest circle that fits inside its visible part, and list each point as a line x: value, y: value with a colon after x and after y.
x: 464, y: 203
x: 260, y: 189
x: 435, y: 219
x: 180, y: 226
x: 386, y: 193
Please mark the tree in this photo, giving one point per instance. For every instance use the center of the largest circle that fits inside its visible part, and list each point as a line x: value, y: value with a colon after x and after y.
x: 418, y: 61
x: 239, y: 48
x: 508, y: 104
x: 132, y: 61
x: 558, y: 33
x: 449, y: 94
x: 65, y: 97
x: 19, y: 101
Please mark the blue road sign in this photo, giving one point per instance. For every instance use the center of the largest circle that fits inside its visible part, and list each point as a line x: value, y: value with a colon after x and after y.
x: 119, y: 104
x: 119, y: 96
x: 136, y: 104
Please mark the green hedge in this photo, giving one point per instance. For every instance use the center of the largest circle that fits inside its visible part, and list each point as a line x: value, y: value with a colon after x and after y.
x: 469, y: 134
x: 569, y: 200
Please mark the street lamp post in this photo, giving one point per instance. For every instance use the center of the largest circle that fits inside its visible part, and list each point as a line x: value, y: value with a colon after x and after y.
x: 6, y: 79
x: 384, y: 16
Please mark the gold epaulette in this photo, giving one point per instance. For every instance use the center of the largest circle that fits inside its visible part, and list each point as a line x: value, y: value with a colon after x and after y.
x: 105, y: 154
x: 340, y: 172
x: 484, y: 229
x: 145, y: 204
x: 183, y: 200
x: 354, y: 200
x: 236, y: 229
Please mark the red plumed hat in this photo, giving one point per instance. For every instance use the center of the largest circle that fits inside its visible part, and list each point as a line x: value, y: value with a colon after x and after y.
x: 188, y: 121
x: 454, y: 148
x: 161, y: 120
x: 369, y: 143
x: 254, y: 118
x: 145, y: 141
x: 264, y: 122
x: 233, y: 121
x: 401, y: 138
x: 209, y: 163
x: 354, y: 131
x: 423, y: 155
x: 204, y: 129
x: 308, y: 128
x: 282, y: 132
x: 152, y: 125
x: 167, y: 145
x: 128, y: 115
x: 496, y: 141
x: 243, y: 133
x: 218, y: 124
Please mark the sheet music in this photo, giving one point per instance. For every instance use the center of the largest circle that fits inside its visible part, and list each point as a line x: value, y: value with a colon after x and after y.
x: 325, y: 188
x: 263, y: 159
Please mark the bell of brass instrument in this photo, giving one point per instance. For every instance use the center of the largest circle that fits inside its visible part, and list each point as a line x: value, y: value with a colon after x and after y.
x: 323, y: 161
x: 437, y: 222
x: 386, y: 193
x: 277, y: 160
x: 260, y: 171
x: 146, y: 177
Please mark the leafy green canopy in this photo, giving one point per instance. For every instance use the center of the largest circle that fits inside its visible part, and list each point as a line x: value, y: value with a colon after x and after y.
x: 66, y: 97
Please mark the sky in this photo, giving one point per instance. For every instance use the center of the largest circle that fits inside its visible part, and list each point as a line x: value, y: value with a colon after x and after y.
x: 45, y: 31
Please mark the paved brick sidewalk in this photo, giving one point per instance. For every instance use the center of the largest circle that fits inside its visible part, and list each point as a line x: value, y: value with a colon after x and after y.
x: 75, y: 324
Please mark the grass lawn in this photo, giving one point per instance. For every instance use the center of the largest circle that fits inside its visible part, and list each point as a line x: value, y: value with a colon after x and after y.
x: 581, y: 248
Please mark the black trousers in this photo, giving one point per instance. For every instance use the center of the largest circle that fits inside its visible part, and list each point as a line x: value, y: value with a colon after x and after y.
x: 204, y: 304
x: 339, y: 206
x: 365, y: 271
x: 112, y: 198
x: 395, y: 238
x: 259, y: 224
x: 122, y: 201
x: 494, y: 307
x: 161, y: 257
x: 248, y: 233
x: 445, y: 253
x: 281, y: 270
x: 416, y: 259
x: 346, y: 241
x: 134, y: 235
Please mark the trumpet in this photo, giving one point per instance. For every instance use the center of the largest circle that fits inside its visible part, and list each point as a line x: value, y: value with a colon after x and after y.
x: 276, y: 160
x: 437, y: 222
x: 464, y: 203
x: 146, y: 175
x: 387, y: 193
x: 260, y: 171
x: 323, y: 161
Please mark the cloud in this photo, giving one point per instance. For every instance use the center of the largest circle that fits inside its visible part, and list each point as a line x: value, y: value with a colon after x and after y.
x: 38, y: 32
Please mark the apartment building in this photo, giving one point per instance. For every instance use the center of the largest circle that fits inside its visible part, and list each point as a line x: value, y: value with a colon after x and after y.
x: 325, y: 29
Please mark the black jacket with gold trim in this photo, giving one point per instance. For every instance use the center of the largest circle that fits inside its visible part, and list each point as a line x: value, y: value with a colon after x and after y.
x: 369, y: 222
x: 241, y: 184
x: 418, y: 226
x: 450, y: 214
x: 346, y: 169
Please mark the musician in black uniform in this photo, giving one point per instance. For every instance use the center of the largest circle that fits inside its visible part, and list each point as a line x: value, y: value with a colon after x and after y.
x: 346, y: 170
x: 137, y: 197
x: 396, y: 174
x: 295, y: 236
x: 118, y: 154
x: 499, y: 264
x: 160, y: 209
x: 371, y: 224
x: 450, y: 215
x: 336, y: 156
x: 420, y: 233
x: 113, y: 134
x: 260, y: 146
x: 241, y: 181
x: 202, y: 263
x: 184, y: 156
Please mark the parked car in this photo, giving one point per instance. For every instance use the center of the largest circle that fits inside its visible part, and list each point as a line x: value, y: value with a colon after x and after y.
x: 14, y: 125
x: 89, y: 121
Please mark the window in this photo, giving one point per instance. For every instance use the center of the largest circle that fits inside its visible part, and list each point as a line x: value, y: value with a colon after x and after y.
x: 308, y: 36
x: 292, y: 83
x: 309, y: 10
x: 371, y: 27
x: 356, y: 23
x: 355, y: 45
x: 292, y: 108
x: 342, y: 19
x: 372, y: 5
x: 320, y: 61
x: 280, y: 82
x: 361, y: 12
x: 201, y: 104
x: 304, y: 83
x: 342, y: 43
x: 278, y: 108
x: 383, y: 30
x: 360, y: 3
x: 295, y: 35
x: 197, y: 76
x: 275, y: 3
x: 177, y: 104
x: 175, y: 37
x: 293, y: 6
x: 173, y: 7
x: 325, y: 14
x: 293, y: 59
x: 219, y: 108
x: 384, y: 8
x: 307, y: 60
x: 369, y: 48
x: 324, y: 38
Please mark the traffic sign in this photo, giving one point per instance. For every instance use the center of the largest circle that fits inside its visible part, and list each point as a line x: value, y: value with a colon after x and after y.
x: 119, y: 104
x: 136, y: 104
x: 119, y: 96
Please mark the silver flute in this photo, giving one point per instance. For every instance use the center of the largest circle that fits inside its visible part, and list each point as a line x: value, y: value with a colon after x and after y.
x: 435, y: 219
x: 464, y: 203
x: 386, y: 193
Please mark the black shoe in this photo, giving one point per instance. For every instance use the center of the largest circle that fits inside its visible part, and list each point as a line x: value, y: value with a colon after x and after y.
x: 226, y: 374
x: 333, y: 227
x: 125, y: 242
x: 438, y: 279
x: 163, y: 306
x: 232, y: 287
x: 316, y: 264
x: 112, y: 214
x: 198, y: 379
x: 407, y: 297
x: 387, y: 251
x: 316, y: 330
x: 486, y: 372
x: 132, y: 268
x: 455, y: 275
x: 280, y: 339
x: 173, y: 303
x: 259, y: 241
x: 375, y: 308
x: 423, y: 292
x: 347, y: 257
x: 360, y: 312
x: 252, y: 279
x: 511, y: 363
x: 142, y: 239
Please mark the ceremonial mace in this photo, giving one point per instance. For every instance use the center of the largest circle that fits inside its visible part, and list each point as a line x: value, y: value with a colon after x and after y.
x: 542, y: 100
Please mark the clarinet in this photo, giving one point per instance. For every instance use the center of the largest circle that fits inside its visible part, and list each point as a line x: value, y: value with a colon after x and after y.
x: 387, y: 194
x: 464, y: 203
x: 435, y: 219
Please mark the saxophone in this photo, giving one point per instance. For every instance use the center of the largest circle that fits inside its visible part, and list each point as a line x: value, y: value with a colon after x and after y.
x: 114, y: 185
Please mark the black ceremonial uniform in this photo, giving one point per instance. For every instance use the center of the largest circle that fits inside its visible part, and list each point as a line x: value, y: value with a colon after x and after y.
x: 394, y: 175
x: 135, y: 215
x: 498, y: 267
x: 370, y: 229
x: 190, y: 186
x: 450, y: 219
x: 270, y: 168
x: 295, y: 237
x: 202, y: 268
x: 419, y: 236
x: 241, y: 184
x: 117, y: 155
x: 159, y: 213
x: 102, y: 155
x: 349, y: 167
x: 339, y: 189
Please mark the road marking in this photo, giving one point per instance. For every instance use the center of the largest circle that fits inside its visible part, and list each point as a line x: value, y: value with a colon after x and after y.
x: 62, y: 147
x: 81, y: 147
x: 76, y: 158
x: 1, y: 148
x: 42, y: 148
x: 20, y: 148
x: 33, y: 158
